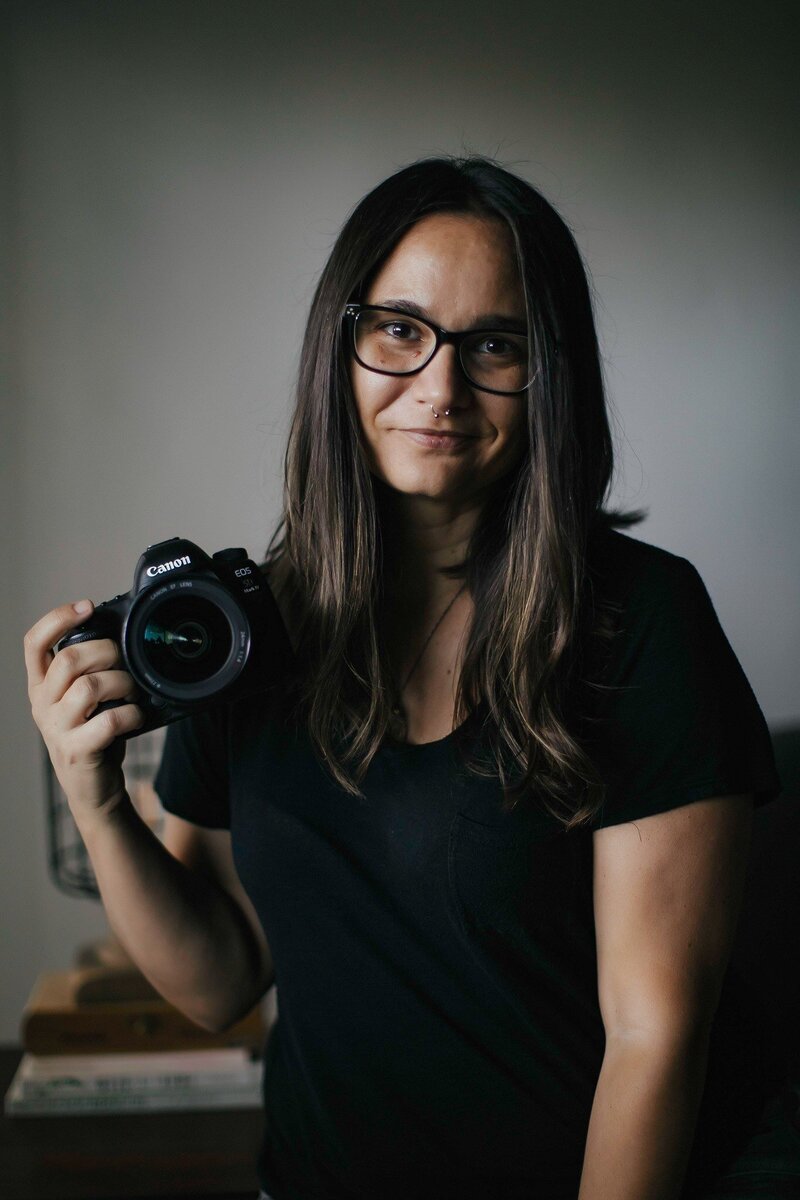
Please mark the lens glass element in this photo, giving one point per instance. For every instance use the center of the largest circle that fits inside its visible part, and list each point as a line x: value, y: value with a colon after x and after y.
x: 187, y: 639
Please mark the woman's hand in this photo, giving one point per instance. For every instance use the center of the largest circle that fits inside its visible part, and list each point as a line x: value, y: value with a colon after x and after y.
x: 64, y: 689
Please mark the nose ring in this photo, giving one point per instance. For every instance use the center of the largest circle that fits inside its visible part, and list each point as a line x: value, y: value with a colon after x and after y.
x: 437, y: 415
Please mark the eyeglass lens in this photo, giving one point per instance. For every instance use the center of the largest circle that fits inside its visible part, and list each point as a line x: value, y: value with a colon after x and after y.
x: 396, y: 344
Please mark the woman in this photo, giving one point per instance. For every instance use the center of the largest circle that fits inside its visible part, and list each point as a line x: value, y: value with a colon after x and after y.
x: 492, y: 830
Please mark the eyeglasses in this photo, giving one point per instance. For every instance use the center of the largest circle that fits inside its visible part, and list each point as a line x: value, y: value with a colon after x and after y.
x: 391, y: 342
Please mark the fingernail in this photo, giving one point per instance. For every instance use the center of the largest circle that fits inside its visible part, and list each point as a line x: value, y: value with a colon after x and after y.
x: 83, y: 607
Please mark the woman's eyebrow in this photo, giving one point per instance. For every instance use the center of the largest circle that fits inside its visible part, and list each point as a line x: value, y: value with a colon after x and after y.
x: 492, y: 321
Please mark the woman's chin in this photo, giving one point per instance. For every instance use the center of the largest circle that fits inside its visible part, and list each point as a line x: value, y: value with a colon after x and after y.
x: 405, y: 488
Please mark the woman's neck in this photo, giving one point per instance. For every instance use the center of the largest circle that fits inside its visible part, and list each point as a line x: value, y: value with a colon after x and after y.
x: 421, y: 541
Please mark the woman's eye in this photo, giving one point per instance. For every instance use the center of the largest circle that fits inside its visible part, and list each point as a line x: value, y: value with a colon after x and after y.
x: 500, y: 347
x: 399, y: 329
x: 495, y: 345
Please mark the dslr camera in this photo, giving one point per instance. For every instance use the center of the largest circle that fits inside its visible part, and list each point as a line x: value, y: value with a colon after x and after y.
x: 193, y: 630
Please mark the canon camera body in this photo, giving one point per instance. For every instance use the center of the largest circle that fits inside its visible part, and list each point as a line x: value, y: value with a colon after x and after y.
x: 192, y: 630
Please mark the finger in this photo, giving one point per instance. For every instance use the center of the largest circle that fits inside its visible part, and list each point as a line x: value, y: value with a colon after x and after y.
x: 73, y: 661
x: 87, y: 691
x: 41, y: 637
x: 98, y: 733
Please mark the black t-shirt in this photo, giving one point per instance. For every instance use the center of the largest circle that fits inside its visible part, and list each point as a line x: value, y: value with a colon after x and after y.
x: 439, y: 1032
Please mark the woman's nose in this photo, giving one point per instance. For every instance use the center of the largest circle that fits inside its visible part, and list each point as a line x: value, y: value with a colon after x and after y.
x: 441, y: 382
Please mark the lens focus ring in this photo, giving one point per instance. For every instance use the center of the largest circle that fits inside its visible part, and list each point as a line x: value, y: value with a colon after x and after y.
x: 188, y: 640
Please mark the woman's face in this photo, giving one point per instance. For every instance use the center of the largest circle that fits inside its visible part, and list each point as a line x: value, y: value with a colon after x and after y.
x: 460, y: 271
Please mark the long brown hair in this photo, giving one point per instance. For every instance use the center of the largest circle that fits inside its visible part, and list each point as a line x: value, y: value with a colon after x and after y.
x: 526, y: 565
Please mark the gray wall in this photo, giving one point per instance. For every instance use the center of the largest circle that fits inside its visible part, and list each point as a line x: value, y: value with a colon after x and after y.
x: 179, y: 172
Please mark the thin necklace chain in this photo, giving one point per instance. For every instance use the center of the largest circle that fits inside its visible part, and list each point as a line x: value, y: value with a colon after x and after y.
x: 425, y: 645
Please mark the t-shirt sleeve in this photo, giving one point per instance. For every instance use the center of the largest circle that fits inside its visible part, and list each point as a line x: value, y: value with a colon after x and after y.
x: 192, y: 778
x: 680, y: 722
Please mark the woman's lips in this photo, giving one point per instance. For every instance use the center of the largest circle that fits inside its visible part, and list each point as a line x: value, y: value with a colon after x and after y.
x: 436, y: 440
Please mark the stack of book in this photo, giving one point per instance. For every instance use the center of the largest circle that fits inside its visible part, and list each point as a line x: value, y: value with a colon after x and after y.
x: 95, y: 1042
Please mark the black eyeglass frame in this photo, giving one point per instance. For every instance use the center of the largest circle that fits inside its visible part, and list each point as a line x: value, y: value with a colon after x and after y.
x: 442, y: 336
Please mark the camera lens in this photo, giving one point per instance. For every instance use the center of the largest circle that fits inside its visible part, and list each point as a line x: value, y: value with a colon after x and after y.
x: 186, y: 640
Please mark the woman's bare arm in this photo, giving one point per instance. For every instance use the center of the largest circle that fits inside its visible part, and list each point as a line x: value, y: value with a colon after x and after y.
x: 179, y: 916
x: 208, y: 852
x: 182, y: 916
x: 667, y: 895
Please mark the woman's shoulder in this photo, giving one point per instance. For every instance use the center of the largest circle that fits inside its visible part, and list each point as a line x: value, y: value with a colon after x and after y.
x: 675, y: 717
x: 652, y: 608
x: 634, y: 574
